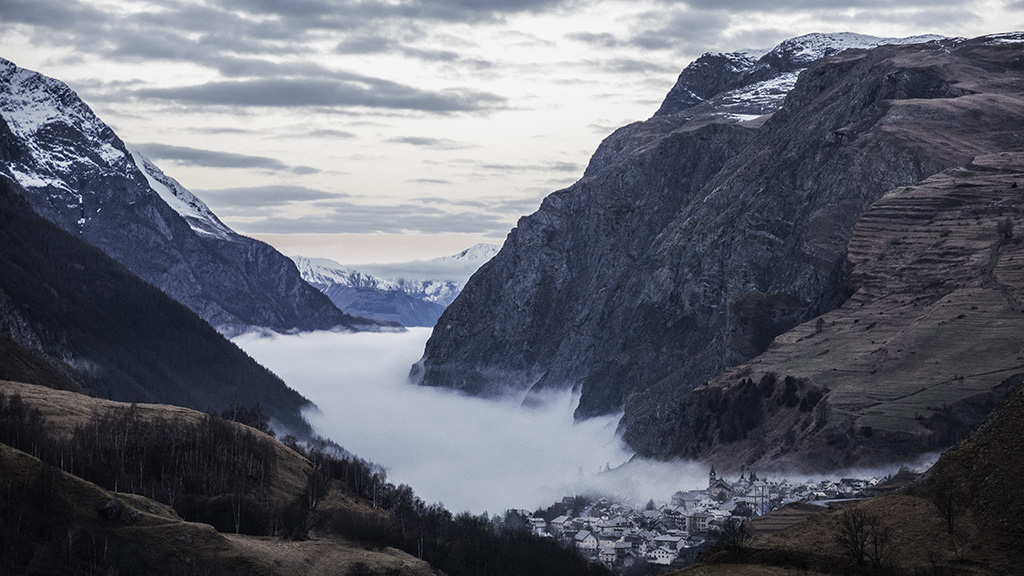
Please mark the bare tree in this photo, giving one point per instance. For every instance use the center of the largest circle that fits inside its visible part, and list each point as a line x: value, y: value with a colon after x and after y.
x: 854, y: 533
x: 951, y: 499
x: 881, y: 549
x: 735, y: 533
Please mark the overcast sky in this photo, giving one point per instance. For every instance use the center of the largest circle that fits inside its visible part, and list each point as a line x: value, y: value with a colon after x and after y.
x: 387, y: 130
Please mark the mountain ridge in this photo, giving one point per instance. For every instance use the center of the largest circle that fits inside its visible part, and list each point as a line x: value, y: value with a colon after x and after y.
x: 74, y: 318
x: 77, y: 173
x: 412, y: 294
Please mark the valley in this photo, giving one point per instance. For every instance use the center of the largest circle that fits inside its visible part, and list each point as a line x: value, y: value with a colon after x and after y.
x: 808, y: 263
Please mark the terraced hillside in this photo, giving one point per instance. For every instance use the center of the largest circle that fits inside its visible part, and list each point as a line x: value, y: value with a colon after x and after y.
x: 926, y: 345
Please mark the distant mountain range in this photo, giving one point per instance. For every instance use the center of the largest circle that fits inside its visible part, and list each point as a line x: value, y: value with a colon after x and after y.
x: 76, y: 173
x: 705, y: 244
x: 412, y: 293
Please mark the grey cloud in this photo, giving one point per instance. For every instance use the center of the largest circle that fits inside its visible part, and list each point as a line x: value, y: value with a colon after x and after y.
x: 338, y: 217
x: 327, y: 133
x: 790, y: 5
x: 603, y: 40
x: 508, y: 206
x: 345, y: 90
x: 688, y: 31
x: 318, y: 13
x: 377, y: 44
x: 429, y: 181
x: 218, y: 159
x: 633, y: 65
x: 51, y: 13
x: 244, y: 200
x: 426, y: 142
x: 556, y: 166
x: 365, y: 44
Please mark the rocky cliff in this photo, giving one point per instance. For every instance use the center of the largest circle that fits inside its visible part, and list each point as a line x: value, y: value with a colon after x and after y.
x: 698, y: 236
x: 78, y: 174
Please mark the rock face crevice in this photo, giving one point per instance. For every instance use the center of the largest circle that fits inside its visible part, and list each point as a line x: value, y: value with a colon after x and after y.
x: 698, y: 236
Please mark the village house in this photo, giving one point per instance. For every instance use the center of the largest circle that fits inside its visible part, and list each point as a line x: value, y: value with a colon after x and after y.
x: 662, y: 556
x: 557, y: 525
x: 586, y: 541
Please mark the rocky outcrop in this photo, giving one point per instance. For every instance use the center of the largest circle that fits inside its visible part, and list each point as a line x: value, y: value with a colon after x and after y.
x: 697, y: 237
x: 78, y: 174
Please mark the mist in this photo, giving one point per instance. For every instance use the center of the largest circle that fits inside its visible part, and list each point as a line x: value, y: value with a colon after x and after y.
x: 471, y: 454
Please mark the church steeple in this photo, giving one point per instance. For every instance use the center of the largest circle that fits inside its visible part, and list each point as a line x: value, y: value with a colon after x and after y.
x: 712, y: 476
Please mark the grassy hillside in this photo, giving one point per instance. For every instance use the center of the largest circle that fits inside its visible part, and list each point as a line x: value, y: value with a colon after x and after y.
x: 54, y: 523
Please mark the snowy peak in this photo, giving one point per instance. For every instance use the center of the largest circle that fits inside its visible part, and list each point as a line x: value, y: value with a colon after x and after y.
x: 798, y: 53
x: 411, y: 293
x: 745, y: 84
x: 325, y: 271
x: 198, y: 215
x: 58, y: 136
x: 476, y: 254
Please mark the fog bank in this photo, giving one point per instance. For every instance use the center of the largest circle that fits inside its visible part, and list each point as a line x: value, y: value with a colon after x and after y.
x: 469, y: 453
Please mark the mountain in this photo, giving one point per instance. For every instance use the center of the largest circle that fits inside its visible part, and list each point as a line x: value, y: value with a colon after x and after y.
x: 697, y: 237
x: 73, y: 318
x: 77, y: 173
x: 411, y: 294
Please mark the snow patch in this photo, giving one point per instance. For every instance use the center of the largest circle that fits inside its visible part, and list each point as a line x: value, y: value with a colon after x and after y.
x: 200, y: 218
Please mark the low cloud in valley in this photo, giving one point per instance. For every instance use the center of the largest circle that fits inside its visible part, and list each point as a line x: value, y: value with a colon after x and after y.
x: 469, y: 453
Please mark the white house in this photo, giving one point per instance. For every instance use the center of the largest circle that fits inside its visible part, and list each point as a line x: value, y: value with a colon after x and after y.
x: 662, y: 556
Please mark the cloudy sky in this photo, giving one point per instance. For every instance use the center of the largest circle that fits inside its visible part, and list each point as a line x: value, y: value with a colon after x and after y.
x: 387, y: 130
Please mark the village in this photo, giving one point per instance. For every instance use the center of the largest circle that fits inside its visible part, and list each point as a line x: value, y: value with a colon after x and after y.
x: 632, y: 541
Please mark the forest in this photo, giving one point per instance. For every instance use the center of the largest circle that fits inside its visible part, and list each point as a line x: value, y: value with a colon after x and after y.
x: 213, y: 469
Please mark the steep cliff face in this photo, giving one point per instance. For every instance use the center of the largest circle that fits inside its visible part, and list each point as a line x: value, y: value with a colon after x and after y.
x: 698, y: 236
x: 78, y: 174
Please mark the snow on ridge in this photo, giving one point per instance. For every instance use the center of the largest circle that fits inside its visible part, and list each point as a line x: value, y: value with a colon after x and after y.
x: 817, y: 45
x: 437, y: 280
x: 477, y: 252
x: 200, y: 218
x: 30, y: 101
x: 35, y: 107
x: 1005, y: 38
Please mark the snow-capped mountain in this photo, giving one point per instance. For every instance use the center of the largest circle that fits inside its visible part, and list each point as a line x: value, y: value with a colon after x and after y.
x: 411, y: 293
x: 77, y: 173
